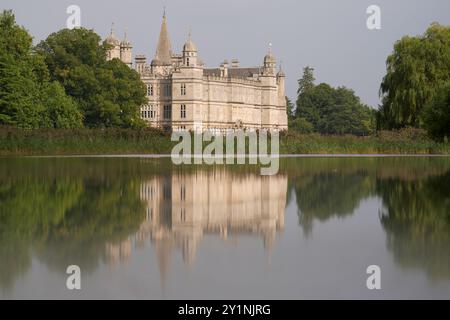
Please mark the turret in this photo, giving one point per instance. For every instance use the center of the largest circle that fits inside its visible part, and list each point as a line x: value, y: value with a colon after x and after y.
x: 114, y: 43
x: 269, y: 63
x: 190, y: 53
x: 125, y: 51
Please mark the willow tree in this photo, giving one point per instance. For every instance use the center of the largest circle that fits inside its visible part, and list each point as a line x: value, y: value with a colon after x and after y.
x: 415, y: 69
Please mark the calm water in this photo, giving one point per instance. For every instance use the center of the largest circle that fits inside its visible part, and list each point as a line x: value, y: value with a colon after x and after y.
x: 141, y: 228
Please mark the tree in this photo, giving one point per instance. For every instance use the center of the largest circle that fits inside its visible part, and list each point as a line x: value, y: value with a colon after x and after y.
x: 290, y: 108
x: 415, y: 70
x: 109, y: 93
x: 300, y: 125
x: 61, y: 111
x: 436, y: 115
x: 27, y: 96
x: 332, y: 110
x: 306, y: 82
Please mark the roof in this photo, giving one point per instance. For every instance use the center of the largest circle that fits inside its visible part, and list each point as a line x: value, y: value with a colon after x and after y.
x: 164, y: 50
x: 233, y: 72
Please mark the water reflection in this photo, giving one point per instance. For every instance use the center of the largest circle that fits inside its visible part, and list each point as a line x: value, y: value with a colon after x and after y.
x: 416, y: 203
x: 181, y: 208
x: 98, y: 212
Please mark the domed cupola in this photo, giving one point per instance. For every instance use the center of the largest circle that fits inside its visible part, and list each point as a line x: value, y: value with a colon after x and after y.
x: 269, y: 62
x: 114, y: 45
x: 189, y: 46
x: 189, y: 53
x: 112, y: 39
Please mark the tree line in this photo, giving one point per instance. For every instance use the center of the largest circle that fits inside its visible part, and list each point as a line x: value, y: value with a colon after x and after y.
x: 415, y: 92
x: 65, y: 81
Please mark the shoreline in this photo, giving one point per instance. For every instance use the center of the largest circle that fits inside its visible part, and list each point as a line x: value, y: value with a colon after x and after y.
x: 281, y: 156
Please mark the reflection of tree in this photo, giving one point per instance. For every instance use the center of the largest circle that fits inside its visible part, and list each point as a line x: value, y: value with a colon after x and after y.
x: 28, y: 211
x: 415, y: 194
x: 417, y: 221
x: 329, y: 194
x: 106, y: 212
x: 67, y: 219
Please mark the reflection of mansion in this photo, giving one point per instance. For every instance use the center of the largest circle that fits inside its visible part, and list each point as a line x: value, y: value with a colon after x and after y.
x: 184, y: 94
x: 181, y: 209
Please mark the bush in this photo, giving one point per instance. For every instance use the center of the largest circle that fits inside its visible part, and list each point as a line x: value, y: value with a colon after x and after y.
x: 300, y: 125
x: 436, y: 115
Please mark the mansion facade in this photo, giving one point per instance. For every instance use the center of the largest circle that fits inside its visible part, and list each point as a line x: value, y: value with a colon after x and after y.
x: 184, y: 95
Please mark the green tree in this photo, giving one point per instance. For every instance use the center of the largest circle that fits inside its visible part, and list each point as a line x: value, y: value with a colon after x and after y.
x: 290, y: 108
x: 20, y: 71
x: 28, y: 99
x: 300, y: 125
x: 109, y: 93
x: 306, y: 82
x: 436, y: 115
x: 415, y: 70
x: 332, y: 110
x: 61, y: 110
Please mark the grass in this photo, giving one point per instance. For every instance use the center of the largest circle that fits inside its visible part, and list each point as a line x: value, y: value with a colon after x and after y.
x: 17, y: 142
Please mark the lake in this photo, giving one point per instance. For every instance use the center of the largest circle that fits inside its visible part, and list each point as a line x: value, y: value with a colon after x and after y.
x: 144, y: 228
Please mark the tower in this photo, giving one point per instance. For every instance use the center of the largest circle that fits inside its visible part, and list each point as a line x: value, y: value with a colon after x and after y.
x: 125, y: 51
x: 269, y: 62
x: 189, y: 53
x: 163, y: 56
x: 114, y: 45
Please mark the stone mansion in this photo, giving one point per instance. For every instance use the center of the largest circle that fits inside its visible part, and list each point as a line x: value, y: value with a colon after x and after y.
x: 183, y: 94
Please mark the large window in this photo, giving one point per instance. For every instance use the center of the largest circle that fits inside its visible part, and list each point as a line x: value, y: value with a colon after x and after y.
x: 167, y: 112
x: 148, y: 112
x: 183, y: 89
x: 183, y: 111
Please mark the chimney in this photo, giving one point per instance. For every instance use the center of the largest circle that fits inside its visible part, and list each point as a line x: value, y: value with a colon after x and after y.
x: 140, y: 63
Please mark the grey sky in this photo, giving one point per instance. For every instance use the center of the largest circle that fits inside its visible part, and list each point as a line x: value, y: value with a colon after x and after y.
x: 329, y: 35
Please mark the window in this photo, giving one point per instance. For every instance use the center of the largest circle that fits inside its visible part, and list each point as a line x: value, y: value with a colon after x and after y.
x: 183, y: 111
x: 183, y: 214
x: 183, y: 89
x: 167, y: 90
x: 149, y: 89
x: 148, y: 112
x: 187, y: 62
x: 167, y: 112
x: 152, y: 112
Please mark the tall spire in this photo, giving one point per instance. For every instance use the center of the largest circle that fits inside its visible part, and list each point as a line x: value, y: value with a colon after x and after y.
x: 164, y: 51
